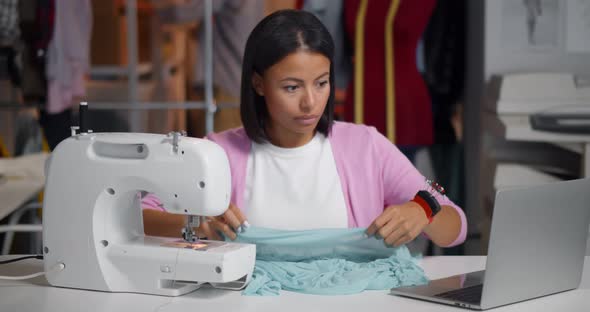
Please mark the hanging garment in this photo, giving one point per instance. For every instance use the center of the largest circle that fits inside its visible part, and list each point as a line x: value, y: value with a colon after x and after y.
x: 9, y: 35
x: 327, y: 262
x: 444, y: 57
x: 330, y: 13
x: 9, y: 31
x: 232, y: 23
x: 36, y: 21
x: 387, y: 91
x: 68, y: 58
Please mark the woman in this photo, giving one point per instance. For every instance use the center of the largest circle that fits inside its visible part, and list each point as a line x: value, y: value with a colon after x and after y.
x: 294, y: 168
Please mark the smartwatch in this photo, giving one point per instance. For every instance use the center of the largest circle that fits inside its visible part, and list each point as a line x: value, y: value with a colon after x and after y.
x: 428, y: 203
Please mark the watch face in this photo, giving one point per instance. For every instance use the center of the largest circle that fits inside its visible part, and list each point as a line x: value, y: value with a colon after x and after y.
x: 430, y: 200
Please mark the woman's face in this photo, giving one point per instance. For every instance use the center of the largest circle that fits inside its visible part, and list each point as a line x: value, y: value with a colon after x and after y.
x: 296, y: 91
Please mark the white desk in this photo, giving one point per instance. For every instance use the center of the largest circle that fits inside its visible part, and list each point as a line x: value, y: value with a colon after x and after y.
x: 36, y: 296
x: 24, y: 179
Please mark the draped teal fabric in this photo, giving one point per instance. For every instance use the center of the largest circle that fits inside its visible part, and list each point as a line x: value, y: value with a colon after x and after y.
x: 327, y: 262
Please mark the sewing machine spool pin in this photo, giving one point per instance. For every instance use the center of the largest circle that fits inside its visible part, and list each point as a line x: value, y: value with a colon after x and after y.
x: 175, y: 139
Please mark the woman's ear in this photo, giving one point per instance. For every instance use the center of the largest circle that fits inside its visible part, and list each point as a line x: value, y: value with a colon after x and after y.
x: 257, y: 84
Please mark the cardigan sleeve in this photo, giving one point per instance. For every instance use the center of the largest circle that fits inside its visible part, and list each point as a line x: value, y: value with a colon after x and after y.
x: 401, y: 180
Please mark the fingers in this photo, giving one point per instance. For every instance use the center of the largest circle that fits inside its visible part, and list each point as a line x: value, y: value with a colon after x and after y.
x: 377, y: 224
x: 224, y: 228
x: 396, y: 236
x: 403, y: 233
x: 386, y: 230
x: 241, y: 217
x: 395, y: 226
x: 232, y: 219
x: 205, y: 230
x: 228, y: 224
x: 237, y: 212
x: 386, y: 217
x: 236, y: 219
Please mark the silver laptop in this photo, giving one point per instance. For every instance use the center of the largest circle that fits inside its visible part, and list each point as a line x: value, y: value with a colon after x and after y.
x: 537, y: 248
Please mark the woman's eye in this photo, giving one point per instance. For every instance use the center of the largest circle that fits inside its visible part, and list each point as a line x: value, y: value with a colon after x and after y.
x: 323, y: 83
x: 290, y: 88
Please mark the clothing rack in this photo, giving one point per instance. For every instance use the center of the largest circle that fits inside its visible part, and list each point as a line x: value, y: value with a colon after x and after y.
x: 134, y: 105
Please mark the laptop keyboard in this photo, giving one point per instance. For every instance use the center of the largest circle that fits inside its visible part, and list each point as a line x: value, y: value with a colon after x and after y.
x: 471, y: 294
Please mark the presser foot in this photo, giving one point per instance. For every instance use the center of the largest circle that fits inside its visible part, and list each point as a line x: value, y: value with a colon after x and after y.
x: 189, y: 235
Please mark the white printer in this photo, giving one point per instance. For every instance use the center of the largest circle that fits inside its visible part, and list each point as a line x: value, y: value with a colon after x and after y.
x: 536, y: 129
x: 513, y: 101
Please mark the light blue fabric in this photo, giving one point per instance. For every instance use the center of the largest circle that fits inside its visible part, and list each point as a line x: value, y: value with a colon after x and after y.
x: 327, y: 262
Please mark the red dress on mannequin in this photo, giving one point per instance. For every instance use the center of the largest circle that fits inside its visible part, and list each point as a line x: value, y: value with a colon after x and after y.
x: 387, y: 91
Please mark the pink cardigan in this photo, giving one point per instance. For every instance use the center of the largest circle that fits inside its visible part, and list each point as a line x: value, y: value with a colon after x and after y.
x: 373, y: 172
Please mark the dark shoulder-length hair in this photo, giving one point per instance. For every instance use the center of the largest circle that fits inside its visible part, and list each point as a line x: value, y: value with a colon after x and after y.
x: 276, y: 36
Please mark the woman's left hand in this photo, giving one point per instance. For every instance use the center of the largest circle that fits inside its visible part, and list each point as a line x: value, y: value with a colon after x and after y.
x: 399, y: 224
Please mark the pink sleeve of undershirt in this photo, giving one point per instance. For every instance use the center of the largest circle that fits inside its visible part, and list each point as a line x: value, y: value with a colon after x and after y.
x: 150, y: 201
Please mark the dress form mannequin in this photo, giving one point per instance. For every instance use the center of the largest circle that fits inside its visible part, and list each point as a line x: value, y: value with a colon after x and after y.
x: 387, y: 91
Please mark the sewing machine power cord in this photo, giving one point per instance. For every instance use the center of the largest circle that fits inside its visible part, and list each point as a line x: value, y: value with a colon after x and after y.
x: 59, y: 266
x: 22, y: 258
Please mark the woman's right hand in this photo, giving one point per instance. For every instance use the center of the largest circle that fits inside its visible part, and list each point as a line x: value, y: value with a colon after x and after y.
x: 231, y: 222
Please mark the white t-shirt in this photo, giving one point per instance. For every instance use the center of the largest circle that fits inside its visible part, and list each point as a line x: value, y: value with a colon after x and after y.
x: 294, y: 188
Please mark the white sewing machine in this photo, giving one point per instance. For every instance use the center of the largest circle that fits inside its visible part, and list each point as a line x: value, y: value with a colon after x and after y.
x: 92, y: 219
